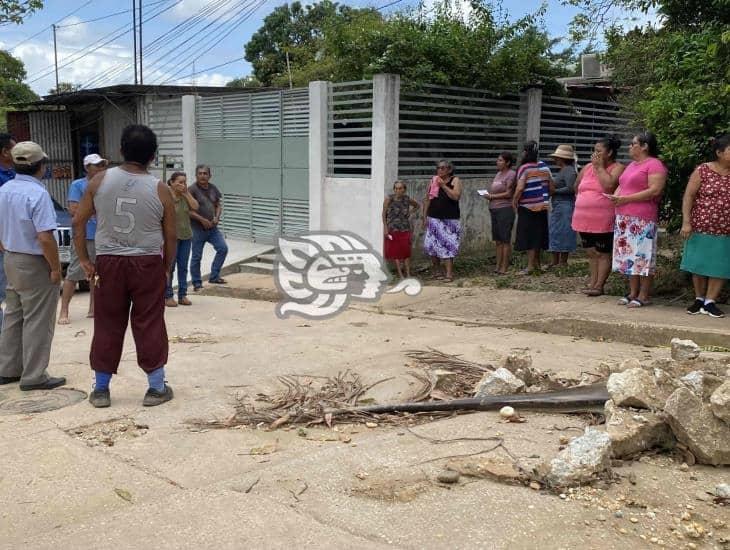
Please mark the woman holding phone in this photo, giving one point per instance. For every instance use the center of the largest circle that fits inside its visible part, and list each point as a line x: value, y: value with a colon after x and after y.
x: 594, y: 213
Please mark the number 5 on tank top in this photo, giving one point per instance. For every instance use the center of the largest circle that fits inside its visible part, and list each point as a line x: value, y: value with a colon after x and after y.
x: 120, y: 211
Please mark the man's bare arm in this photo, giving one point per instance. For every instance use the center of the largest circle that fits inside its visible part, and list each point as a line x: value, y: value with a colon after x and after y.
x: 84, y: 212
x: 169, y: 230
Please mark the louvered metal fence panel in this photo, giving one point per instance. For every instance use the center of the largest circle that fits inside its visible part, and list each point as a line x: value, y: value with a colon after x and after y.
x: 469, y: 127
x: 236, y: 218
x: 296, y: 113
x: 236, y: 116
x: 266, y: 115
x: 209, y: 117
x: 580, y: 122
x: 350, y: 129
x: 296, y: 217
x: 164, y: 117
x: 265, y: 218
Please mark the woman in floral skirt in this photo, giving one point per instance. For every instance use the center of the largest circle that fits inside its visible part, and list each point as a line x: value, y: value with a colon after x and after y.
x: 640, y: 189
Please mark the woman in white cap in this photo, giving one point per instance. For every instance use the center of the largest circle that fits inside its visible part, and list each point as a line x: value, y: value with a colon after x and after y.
x: 562, y: 237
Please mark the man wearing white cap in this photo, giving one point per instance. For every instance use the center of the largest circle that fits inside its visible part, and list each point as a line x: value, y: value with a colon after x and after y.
x: 33, y: 270
x: 93, y: 164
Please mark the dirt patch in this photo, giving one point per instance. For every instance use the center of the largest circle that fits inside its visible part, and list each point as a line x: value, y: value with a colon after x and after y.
x: 107, y: 433
x: 400, y: 488
x: 194, y: 338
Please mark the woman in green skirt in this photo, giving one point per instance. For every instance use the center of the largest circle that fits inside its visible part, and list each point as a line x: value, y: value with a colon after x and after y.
x: 706, y: 226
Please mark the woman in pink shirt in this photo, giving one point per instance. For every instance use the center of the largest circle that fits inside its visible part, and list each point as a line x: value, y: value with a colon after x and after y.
x: 594, y: 213
x: 637, y: 198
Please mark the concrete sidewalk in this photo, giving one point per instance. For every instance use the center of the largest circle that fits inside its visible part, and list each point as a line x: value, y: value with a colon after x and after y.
x: 239, y: 250
x: 565, y: 314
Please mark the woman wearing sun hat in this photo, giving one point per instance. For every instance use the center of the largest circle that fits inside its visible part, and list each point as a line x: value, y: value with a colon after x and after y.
x: 562, y: 237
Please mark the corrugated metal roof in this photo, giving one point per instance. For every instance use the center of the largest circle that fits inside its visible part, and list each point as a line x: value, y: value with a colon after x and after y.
x: 126, y: 90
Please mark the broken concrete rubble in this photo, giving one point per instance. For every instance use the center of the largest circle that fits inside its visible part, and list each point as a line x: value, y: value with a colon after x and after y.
x: 723, y: 490
x: 684, y: 349
x: 701, y: 383
x: 632, y: 432
x: 520, y: 364
x: 635, y: 388
x: 720, y: 402
x: 582, y: 461
x: 694, y: 424
x: 499, y: 382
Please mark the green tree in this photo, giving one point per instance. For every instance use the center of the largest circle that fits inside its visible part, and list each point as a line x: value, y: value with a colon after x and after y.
x: 14, y: 11
x: 12, y: 88
x: 296, y: 31
x: 676, y: 80
x: 330, y: 42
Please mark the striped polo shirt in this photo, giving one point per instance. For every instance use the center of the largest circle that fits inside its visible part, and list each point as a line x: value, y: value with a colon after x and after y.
x: 537, y: 177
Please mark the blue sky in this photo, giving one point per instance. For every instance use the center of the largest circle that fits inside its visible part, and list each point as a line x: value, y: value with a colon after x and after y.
x: 173, y: 61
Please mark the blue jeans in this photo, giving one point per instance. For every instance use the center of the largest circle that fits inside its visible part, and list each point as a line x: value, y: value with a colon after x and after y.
x: 181, y: 260
x: 214, y: 237
x: 3, y: 284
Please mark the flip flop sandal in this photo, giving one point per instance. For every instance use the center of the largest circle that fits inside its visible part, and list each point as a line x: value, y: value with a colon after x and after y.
x: 218, y: 281
x: 624, y: 301
x: 636, y: 303
x: 593, y: 292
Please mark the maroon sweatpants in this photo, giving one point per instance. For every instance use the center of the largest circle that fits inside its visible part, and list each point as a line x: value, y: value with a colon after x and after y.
x: 124, y: 281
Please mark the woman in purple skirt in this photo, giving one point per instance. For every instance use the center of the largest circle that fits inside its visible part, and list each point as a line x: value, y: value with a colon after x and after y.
x: 441, y: 220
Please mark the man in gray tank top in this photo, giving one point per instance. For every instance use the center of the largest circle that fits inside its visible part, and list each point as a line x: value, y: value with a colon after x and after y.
x: 135, y: 248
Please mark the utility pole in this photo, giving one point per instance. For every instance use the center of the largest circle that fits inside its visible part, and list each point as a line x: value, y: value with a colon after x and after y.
x: 288, y: 68
x: 141, y: 80
x: 55, y: 55
x: 134, y: 35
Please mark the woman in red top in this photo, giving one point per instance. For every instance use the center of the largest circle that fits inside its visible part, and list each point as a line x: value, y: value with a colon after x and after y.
x: 706, y: 225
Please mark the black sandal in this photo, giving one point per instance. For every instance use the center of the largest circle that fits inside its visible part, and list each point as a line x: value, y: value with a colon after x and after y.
x: 218, y: 281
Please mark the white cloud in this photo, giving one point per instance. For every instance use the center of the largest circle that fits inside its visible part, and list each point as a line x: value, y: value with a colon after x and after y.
x: 186, y: 8
x: 212, y: 79
x: 38, y: 59
x: 74, y: 34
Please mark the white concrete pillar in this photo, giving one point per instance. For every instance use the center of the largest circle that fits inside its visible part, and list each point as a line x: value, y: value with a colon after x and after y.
x: 189, y: 136
x: 534, y: 112
x: 318, y: 101
x: 384, y: 163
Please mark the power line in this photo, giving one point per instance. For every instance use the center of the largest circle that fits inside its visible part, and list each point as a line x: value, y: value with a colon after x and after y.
x: 112, y: 39
x: 117, y: 30
x: 214, y: 35
x: 389, y: 4
x: 234, y: 27
x: 44, y: 29
x: 105, y: 16
x: 201, y: 71
x: 165, y: 38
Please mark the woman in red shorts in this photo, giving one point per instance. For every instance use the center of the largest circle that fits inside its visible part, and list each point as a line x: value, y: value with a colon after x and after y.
x: 397, y: 227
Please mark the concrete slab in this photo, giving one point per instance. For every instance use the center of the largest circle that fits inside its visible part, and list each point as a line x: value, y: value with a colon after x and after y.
x: 239, y: 250
x: 188, y: 486
x: 221, y: 519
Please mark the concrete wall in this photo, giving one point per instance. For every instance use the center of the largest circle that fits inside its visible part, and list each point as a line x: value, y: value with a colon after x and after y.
x: 347, y: 206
